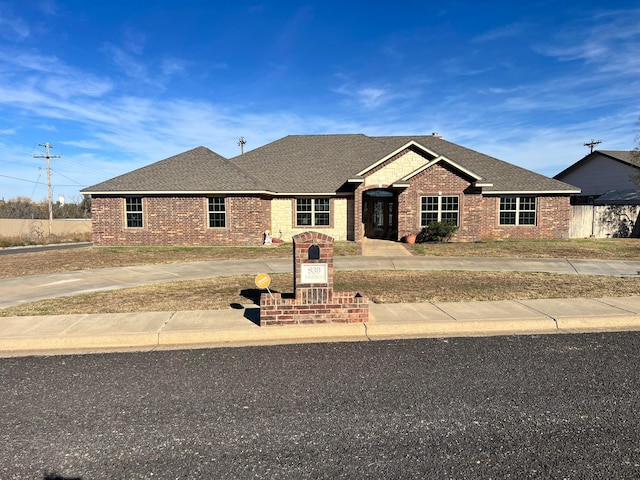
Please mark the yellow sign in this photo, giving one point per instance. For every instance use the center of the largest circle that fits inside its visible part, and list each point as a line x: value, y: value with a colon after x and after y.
x: 263, y: 280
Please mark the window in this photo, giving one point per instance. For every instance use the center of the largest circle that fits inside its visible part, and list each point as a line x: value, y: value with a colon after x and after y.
x: 217, y: 212
x: 133, y: 210
x: 517, y: 210
x: 312, y: 212
x: 439, y: 209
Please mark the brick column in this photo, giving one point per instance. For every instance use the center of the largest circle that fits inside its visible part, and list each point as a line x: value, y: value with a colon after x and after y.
x: 309, y: 284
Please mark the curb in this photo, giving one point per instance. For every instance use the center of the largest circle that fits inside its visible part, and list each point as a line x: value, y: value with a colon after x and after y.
x: 252, y: 335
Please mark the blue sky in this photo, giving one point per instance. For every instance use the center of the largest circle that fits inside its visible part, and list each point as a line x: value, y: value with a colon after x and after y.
x: 115, y: 85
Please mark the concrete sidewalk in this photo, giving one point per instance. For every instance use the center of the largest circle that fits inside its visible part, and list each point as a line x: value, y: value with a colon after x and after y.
x: 38, y: 287
x: 47, y: 335
x: 235, y: 327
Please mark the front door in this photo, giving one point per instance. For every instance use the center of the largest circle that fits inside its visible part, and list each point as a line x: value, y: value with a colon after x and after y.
x: 379, y: 214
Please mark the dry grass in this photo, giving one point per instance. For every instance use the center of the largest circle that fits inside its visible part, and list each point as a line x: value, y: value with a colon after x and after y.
x: 592, y: 248
x: 94, y: 257
x: 380, y: 287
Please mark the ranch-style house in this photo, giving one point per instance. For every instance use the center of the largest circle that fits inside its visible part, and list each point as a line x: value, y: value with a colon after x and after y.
x: 347, y: 186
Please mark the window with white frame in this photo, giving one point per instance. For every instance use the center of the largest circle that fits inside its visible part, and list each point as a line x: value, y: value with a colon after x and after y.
x: 133, y: 211
x: 217, y: 212
x: 313, y: 212
x: 517, y: 210
x: 439, y: 208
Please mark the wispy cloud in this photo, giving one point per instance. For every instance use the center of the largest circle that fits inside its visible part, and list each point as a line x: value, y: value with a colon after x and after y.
x: 610, y: 44
x: 12, y: 27
x: 126, y: 62
x: 507, y: 31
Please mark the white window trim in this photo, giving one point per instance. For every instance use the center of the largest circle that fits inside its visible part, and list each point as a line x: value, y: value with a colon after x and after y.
x: 209, y: 212
x: 312, y: 212
x: 440, y: 211
x: 518, y: 210
x: 127, y: 212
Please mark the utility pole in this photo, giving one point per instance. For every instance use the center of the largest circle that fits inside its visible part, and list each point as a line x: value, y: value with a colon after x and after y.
x: 592, y: 144
x: 241, y: 143
x: 50, y: 190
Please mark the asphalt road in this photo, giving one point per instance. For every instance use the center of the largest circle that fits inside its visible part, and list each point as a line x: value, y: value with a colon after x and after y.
x: 44, y: 248
x: 558, y: 406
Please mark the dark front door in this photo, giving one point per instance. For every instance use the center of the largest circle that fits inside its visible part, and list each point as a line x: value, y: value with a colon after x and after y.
x: 379, y: 214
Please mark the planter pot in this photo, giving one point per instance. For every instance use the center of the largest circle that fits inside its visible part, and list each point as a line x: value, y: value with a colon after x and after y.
x: 410, y: 238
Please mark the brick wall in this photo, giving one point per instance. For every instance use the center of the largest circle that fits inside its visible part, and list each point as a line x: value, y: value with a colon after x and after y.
x: 180, y: 221
x: 480, y: 214
x: 344, y: 307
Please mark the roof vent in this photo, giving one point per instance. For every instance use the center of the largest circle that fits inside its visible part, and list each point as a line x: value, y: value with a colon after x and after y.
x: 436, y: 134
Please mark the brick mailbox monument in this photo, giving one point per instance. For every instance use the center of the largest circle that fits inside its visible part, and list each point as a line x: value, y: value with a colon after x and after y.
x: 314, y: 301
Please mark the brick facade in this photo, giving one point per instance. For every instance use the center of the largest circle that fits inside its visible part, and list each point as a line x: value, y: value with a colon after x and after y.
x: 479, y: 215
x: 180, y: 220
x: 183, y: 220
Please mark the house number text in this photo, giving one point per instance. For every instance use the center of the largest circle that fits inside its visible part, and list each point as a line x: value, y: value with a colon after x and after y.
x: 314, y: 273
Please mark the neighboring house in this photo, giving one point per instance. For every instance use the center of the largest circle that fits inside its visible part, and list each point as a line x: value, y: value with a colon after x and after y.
x: 609, y: 202
x: 600, y: 172
x: 345, y: 186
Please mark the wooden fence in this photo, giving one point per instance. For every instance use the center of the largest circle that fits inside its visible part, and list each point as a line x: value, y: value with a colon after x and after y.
x: 604, y: 221
x: 36, y: 228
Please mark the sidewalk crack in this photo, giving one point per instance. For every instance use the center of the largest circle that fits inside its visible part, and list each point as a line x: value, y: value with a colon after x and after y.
x: 366, y: 332
x: 538, y: 311
x: 602, y: 301
x: 572, y: 266
x: 166, y: 322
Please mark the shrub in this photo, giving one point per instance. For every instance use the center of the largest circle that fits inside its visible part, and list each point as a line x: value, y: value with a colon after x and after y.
x: 437, y: 232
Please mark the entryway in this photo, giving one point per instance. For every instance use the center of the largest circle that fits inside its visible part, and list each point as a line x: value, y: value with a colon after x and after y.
x: 379, y: 214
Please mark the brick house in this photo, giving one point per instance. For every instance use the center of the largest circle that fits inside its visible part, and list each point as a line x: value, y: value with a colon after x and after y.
x: 345, y: 186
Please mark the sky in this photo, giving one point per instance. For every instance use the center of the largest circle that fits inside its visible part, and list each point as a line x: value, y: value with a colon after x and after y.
x: 116, y: 85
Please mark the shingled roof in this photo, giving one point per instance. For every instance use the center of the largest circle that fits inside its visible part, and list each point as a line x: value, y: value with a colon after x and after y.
x: 314, y: 164
x: 196, y: 171
x: 629, y: 157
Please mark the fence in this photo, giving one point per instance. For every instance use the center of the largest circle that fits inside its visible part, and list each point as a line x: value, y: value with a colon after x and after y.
x: 37, y: 228
x: 603, y: 221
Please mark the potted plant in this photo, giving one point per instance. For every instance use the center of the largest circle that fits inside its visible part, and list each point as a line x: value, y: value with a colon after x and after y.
x: 411, y: 238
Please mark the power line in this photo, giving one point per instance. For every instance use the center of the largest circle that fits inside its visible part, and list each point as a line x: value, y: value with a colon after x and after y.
x: 24, y: 180
x: 70, y: 179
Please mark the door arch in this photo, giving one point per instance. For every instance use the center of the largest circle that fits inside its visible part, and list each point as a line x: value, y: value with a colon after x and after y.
x: 380, y: 214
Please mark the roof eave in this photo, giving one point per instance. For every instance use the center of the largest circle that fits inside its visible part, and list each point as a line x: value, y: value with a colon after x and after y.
x: 530, y: 192
x: 176, y: 192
